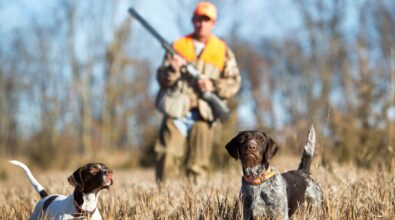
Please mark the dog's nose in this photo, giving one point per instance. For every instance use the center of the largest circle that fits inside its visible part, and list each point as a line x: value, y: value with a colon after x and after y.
x: 252, y: 147
x: 108, y: 173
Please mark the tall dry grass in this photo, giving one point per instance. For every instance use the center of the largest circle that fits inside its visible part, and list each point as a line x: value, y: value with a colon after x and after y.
x: 350, y: 193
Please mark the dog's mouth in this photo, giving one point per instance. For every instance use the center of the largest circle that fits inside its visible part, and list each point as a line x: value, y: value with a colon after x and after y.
x: 107, y: 181
x: 251, y: 160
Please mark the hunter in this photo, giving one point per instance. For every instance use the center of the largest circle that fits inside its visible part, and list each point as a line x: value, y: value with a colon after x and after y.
x: 186, y: 134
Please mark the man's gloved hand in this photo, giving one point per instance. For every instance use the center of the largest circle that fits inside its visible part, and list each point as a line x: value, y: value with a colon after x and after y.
x: 205, y: 85
x: 177, y: 62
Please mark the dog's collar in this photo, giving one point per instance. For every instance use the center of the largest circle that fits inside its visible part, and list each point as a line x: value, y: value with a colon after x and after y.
x: 81, y: 212
x: 264, y: 177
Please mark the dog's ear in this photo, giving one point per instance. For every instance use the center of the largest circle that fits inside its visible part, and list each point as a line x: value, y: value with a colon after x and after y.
x: 76, y: 178
x: 232, y: 147
x: 271, y: 148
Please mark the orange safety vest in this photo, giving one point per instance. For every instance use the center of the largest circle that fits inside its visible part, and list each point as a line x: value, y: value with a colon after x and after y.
x: 214, y: 52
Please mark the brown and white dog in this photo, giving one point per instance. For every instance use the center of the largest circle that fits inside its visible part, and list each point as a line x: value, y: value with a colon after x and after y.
x: 266, y: 193
x: 88, y: 180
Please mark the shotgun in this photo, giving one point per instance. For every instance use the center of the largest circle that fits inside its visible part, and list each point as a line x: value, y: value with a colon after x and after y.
x: 219, y: 108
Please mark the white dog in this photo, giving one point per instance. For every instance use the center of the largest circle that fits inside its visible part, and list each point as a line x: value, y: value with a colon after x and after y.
x: 88, y: 180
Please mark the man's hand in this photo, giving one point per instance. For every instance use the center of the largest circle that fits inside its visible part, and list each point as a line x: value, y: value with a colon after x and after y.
x: 205, y: 85
x: 177, y: 62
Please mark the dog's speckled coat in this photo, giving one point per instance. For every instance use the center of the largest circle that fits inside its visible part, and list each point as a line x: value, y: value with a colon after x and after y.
x: 280, y: 196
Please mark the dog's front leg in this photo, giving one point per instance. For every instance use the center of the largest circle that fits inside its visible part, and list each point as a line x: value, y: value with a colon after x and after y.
x: 282, y: 213
x: 246, y: 201
x: 96, y: 215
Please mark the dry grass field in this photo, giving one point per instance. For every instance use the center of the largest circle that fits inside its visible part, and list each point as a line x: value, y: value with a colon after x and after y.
x: 350, y: 193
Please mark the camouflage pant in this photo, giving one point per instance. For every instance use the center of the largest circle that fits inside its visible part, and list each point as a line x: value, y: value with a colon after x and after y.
x: 171, y: 151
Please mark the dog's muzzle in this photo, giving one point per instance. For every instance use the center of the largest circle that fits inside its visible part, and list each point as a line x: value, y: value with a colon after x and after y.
x: 107, y: 178
x: 251, y: 160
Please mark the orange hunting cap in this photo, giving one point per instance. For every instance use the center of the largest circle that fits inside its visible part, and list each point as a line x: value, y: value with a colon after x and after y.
x: 206, y: 9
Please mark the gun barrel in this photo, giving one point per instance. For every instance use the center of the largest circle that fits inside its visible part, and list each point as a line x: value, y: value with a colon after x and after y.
x: 150, y: 29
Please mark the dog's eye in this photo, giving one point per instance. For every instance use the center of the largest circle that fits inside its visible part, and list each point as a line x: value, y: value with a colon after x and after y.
x: 242, y: 139
x: 260, y: 139
x: 94, y: 170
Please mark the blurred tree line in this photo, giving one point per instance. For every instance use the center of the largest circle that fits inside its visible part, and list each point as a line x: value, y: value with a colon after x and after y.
x: 74, y: 83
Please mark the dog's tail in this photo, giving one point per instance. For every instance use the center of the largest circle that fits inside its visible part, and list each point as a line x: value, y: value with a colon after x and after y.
x: 37, y: 186
x: 308, y: 152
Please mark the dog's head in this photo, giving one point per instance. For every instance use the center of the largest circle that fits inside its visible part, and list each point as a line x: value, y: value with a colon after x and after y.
x: 253, y: 148
x: 92, y: 177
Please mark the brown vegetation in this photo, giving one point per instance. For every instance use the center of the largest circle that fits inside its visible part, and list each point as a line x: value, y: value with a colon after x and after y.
x: 349, y: 194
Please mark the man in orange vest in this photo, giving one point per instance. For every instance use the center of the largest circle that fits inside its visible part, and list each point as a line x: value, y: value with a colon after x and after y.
x: 189, y: 119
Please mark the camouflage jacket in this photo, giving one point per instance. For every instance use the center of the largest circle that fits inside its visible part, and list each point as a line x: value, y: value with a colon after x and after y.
x: 179, y: 94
